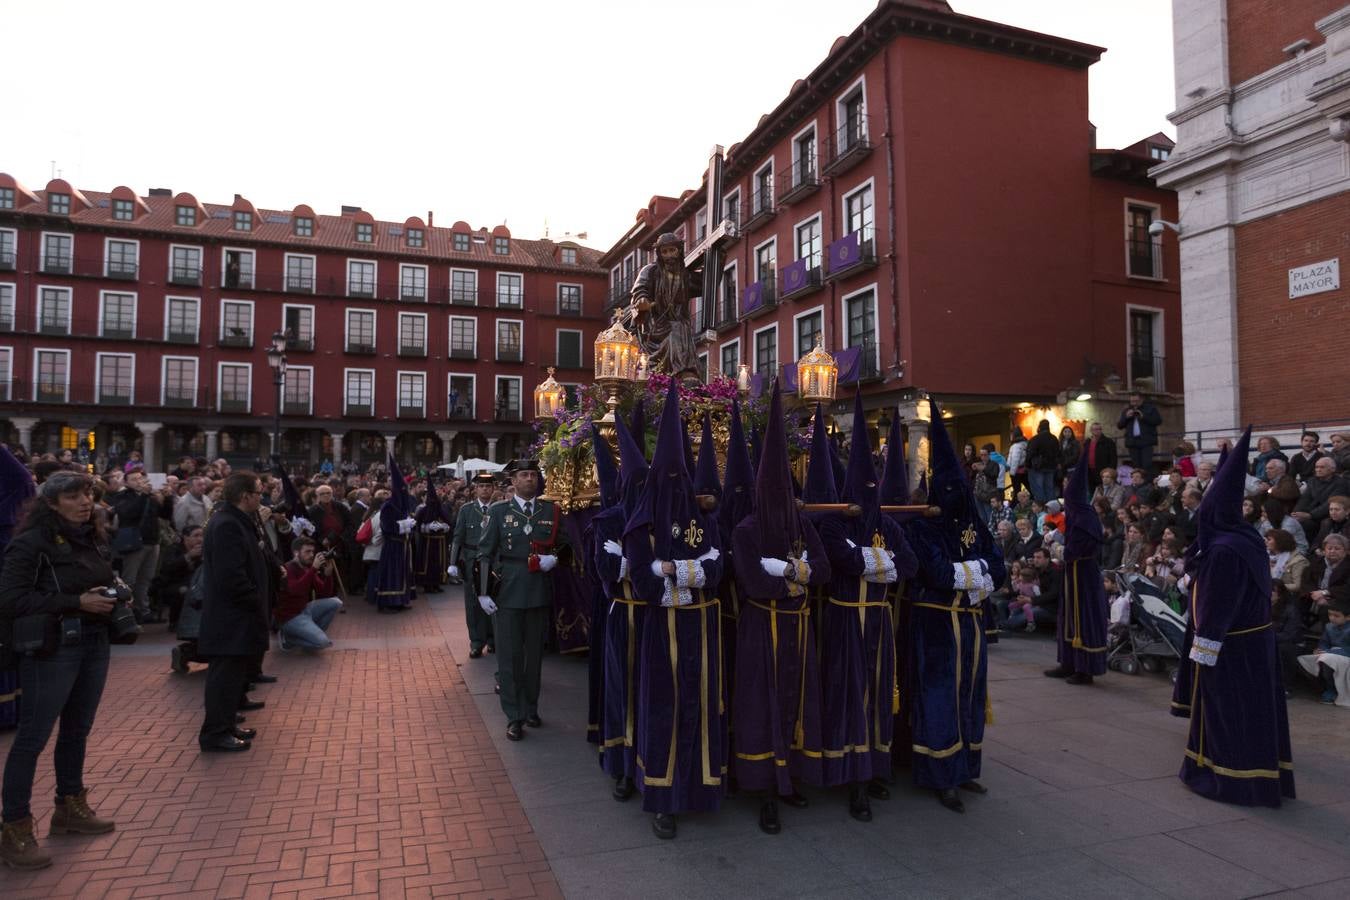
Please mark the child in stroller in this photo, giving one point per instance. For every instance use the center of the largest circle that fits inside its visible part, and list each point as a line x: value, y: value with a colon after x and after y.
x: 1153, y: 639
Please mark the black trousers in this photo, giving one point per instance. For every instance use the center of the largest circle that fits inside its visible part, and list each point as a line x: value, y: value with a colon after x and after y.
x: 225, y: 682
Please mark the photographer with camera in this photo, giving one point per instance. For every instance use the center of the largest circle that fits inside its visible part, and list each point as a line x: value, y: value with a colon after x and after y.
x: 60, y: 605
x: 308, y: 598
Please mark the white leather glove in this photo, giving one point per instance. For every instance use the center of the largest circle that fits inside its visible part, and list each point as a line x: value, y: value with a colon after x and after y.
x: 851, y: 545
x: 711, y: 556
x: 614, y: 547
x: 406, y: 525
x: 453, y: 571
x: 488, y: 605
x: 547, y: 562
x: 772, y: 566
x: 656, y: 568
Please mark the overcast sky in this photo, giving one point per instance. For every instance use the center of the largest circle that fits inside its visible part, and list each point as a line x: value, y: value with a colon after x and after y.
x: 532, y: 113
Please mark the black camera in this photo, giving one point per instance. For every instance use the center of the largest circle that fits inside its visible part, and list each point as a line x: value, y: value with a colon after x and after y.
x: 121, y: 620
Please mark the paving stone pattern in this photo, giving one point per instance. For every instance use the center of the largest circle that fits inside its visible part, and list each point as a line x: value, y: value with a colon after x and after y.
x: 382, y: 769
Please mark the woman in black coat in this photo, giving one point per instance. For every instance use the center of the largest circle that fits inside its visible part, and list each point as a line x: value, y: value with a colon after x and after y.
x: 58, y: 568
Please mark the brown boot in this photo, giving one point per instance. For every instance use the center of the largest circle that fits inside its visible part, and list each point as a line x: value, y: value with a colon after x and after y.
x: 19, y: 847
x: 73, y: 816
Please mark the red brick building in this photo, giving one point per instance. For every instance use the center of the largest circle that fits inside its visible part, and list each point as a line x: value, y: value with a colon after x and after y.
x: 144, y: 322
x: 930, y: 195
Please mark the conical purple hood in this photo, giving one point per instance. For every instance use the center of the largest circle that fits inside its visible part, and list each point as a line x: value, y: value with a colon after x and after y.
x: 1219, y: 519
x: 398, y: 489
x: 668, y: 506
x: 294, y: 505
x: 756, y: 447
x: 820, y: 486
x: 738, y: 484
x: 1082, y: 525
x: 860, y: 486
x: 950, y: 489
x: 606, y: 470
x: 637, y: 425
x: 775, y: 507
x: 706, y: 479
x: 895, y: 475
x: 632, y: 468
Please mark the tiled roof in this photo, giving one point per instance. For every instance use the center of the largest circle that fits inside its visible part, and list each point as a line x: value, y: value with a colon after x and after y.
x: 330, y: 233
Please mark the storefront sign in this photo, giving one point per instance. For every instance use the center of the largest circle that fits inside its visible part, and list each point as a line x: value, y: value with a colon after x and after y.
x: 1316, y: 278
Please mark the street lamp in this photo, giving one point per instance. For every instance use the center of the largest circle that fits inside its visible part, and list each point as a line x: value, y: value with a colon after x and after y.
x: 276, y: 358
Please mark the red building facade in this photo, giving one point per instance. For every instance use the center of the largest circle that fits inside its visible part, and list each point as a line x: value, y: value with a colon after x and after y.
x: 930, y: 197
x: 144, y: 322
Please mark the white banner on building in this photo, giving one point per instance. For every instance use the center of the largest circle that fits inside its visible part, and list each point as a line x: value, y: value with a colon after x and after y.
x: 1315, y: 278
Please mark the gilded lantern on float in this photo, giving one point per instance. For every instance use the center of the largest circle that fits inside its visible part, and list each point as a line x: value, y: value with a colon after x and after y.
x: 817, y: 375
x: 548, y: 397
x: 617, y: 356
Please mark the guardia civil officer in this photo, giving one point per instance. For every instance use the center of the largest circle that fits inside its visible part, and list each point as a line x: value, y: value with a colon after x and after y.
x: 470, y: 524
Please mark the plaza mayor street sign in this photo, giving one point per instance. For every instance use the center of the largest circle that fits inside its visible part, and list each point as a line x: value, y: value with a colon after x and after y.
x: 1315, y: 278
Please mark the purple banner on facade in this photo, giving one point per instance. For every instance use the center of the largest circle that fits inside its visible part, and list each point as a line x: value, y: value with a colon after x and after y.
x: 794, y: 277
x: 845, y: 252
x: 752, y: 298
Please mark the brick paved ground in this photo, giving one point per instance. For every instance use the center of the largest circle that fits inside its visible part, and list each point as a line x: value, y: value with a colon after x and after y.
x: 372, y: 774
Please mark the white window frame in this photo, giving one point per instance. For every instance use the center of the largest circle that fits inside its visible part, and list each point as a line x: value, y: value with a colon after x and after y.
x: 520, y: 392
x: 107, y: 254
x: 1159, y: 336
x: 797, y: 244
x: 135, y: 310
x: 876, y: 318
x: 220, y: 393
x: 347, y: 326
x: 474, y: 273
x: 70, y: 307
x: 497, y: 296
x: 347, y: 372
x: 253, y: 269
x: 37, y: 354
x: 13, y: 303
x: 796, y: 154
x: 840, y: 110
x: 866, y: 184
x: 375, y: 277
x: 563, y: 253
x: 201, y: 264
x: 309, y: 411
x: 473, y: 395
x: 313, y: 320
x: 754, y: 259
x: 496, y: 339
x: 450, y: 335
x: 42, y: 250
x: 824, y: 325
x: 398, y: 388
x: 754, y: 182
x: 7, y: 371
x: 1155, y: 241
x: 754, y: 344
x: 701, y: 224
x: 197, y: 330
x: 286, y: 273
x: 734, y: 193
x: 721, y: 352
x: 426, y: 331
x: 14, y: 243
x: 98, y: 375
x: 581, y: 296
x: 426, y: 282
x: 557, y: 345
x: 164, y: 375
x: 220, y: 324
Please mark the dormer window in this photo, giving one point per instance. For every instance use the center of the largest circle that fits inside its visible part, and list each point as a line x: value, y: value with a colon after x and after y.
x: 569, y: 256
x: 185, y: 216
x: 243, y: 221
x: 501, y: 246
x: 6, y: 198
x: 460, y: 242
x: 122, y: 210
x: 416, y: 237
x: 1158, y: 153
x: 58, y: 204
x: 304, y: 226
x: 365, y: 232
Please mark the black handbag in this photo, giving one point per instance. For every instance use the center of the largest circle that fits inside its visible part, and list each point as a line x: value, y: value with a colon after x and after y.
x: 37, y: 635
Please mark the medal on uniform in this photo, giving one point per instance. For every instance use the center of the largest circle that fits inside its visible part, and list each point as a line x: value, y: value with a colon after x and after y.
x: 528, y: 528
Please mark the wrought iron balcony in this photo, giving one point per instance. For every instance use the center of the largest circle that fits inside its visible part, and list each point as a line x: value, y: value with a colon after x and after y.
x: 798, y: 182
x: 114, y: 397
x: 181, y: 336
x: 462, y: 412
x: 54, y: 325
x: 510, y: 299
x: 300, y: 344
x: 122, y: 331
x: 463, y: 352
x: 122, y: 270
x: 412, y: 349
x: 236, y: 337
x: 851, y: 253
x: 461, y: 296
x: 187, y: 275
x: 759, y: 297
x: 303, y: 284
x: 800, y: 278
x: 761, y: 208
x: 295, y: 407
x: 358, y: 347
x: 359, y: 409
x: 411, y: 411
x: 7, y: 261
x: 361, y: 289
x: 56, y: 264
x: 233, y: 404
x: 504, y: 413
x: 413, y: 293
x: 237, y: 281
x: 180, y: 398
x: 847, y: 147
x: 508, y: 353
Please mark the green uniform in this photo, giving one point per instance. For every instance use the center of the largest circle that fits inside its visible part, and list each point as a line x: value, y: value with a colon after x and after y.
x: 470, y: 523
x: 524, y: 599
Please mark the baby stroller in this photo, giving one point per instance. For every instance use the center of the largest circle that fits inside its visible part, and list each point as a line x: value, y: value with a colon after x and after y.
x: 1155, y: 635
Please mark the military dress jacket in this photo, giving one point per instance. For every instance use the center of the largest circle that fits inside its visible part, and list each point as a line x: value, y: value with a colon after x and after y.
x: 470, y: 525
x: 506, y: 546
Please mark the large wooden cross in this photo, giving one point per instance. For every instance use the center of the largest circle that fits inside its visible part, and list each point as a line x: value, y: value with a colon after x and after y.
x: 708, y: 251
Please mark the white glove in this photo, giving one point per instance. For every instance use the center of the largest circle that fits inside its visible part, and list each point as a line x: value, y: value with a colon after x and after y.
x: 774, y: 567
x: 453, y: 571
x: 489, y: 607
x: 851, y: 545
x: 960, y: 576
x: 656, y: 568
x: 711, y: 556
x: 547, y: 562
x: 614, y: 547
x: 406, y: 525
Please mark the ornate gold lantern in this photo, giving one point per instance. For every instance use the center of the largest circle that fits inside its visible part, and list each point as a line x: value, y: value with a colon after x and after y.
x: 548, y: 397
x: 817, y: 375
x: 616, y: 361
x: 743, y: 378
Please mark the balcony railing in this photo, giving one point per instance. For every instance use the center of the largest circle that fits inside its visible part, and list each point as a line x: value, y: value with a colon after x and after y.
x: 1149, y: 369
x: 411, y: 411
x: 759, y: 297
x: 7, y: 261
x: 851, y: 253
x: 412, y: 349
x: 362, y: 289
x: 82, y: 393
x: 412, y: 293
x: 176, y: 398
x: 798, y: 182
x: 123, y: 270
x: 295, y: 407
x: 188, y: 275
x: 241, y: 281
x: 800, y: 278
x: 300, y: 344
x: 303, y: 284
x: 54, y: 325
x: 234, y: 404
x: 1144, y: 258
x: 726, y: 315
x: 359, y: 409
x: 244, y: 340
x: 761, y: 207
x: 358, y: 347
x: 122, y: 331
x: 461, y: 296
x: 510, y: 300
x: 508, y: 353
x: 619, y: 293
x: 113, y: 397
x: 506, y: 413
x: 181, y: 336
x: 463, y: 352
x: 7, y: 320
x: 847, y: 147
x: 56, y: 264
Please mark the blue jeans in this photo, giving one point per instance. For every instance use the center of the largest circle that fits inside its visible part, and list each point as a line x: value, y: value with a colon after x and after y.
x: 1018, y: 620
x: 307, y: 630
x: 1042, y: 484
x: 66, y: 686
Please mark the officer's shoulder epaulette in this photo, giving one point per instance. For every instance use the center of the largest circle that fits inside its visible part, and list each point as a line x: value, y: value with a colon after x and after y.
x: 497, y: 503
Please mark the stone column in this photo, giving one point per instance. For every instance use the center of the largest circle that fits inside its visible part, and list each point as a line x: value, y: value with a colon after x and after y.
x: 212, y: 445
x: 336, y: 438
x: 492, y: 449
x: 916, y: 414
x: 447, y: 438
x: 148, y: 450
x: 25, y: 427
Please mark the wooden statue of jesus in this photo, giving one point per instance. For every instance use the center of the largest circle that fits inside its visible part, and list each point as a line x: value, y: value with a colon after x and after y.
x: 660, y: 300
